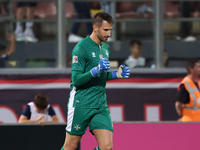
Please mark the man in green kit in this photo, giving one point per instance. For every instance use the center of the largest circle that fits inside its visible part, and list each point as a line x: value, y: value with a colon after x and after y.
x: 87, y: 105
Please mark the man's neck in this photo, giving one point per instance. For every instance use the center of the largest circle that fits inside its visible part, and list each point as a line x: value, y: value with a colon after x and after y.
x: 193, y: 77
x: 95, y: 38
x: 135, y: 57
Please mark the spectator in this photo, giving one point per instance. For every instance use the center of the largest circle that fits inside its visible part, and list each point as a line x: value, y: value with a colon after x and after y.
x: 38, y: 111
x: 5, y: 53
x: 188, y: 103
x: 146, y: 9
x: 127, y: 10
x: 83, y: 12
x: 3, y: 11
x: 106, y: 6
x: 165, y: 62
x: 185, y: 27
x: 135, y: 60
x: 25, y: 9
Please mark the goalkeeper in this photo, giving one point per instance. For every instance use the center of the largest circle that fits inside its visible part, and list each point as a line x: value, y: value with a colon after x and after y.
x: 87, y: 105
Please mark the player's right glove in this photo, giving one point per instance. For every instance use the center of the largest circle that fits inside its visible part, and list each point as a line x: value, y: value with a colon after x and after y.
x: 123, y: 72
x: 102, y: 66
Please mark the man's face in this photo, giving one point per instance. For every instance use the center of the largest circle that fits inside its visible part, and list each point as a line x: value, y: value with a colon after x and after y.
x: 39, y: 110
x: 104, y: 32
x: 196, y: 69
x: 136, y: 50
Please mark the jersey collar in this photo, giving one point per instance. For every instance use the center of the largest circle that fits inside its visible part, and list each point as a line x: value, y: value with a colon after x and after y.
x: 93, y: 42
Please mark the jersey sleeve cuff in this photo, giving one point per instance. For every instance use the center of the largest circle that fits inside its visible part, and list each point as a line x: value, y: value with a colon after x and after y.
x: 114, y: 74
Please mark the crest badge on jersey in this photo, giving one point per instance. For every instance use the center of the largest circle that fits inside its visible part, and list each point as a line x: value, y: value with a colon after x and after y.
x: 107, y: 54
x: 75, y: 59
x: 101, y: 56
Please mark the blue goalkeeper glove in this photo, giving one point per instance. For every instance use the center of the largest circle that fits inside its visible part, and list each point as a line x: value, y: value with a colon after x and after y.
x: 102, y: 66
x: 123, y: 72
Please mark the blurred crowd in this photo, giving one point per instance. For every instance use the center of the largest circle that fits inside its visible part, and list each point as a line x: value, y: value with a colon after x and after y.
x: 24, y: 32
x: 85, y: 10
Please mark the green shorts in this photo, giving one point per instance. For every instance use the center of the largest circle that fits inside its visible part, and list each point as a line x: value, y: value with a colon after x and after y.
x: 78, y: 119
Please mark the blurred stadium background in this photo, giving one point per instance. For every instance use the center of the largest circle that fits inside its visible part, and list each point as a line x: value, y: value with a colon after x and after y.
x: 144, y: 102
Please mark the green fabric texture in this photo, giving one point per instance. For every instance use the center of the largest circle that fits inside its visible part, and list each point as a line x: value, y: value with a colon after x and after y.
x: 109, y: 76
x: 79, y: 79
x: 85, y: 90
x: 62, y: 148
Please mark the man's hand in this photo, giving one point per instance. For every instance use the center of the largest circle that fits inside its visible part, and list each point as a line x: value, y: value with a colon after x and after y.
x: 41, y: 122
x: 40, y: 117
x: 123, y: 72
x: 102, y: 66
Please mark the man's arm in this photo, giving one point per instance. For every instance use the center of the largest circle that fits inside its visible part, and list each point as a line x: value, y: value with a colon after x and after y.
x: 54, y: 119
x: 53, y: 115
x: 179, y: 108
x: 79, y: 78
x: 24, y: 119
x: 183, y: 98
x: 26, y: 114
x: 11, y: 45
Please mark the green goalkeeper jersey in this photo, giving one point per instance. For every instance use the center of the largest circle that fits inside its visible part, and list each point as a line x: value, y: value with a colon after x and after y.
x: 85, y: 56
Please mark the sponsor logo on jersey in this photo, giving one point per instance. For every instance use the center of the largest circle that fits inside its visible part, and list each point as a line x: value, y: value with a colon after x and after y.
x: 93, y: 54
x: 75, y: 59
x: 101, y: 56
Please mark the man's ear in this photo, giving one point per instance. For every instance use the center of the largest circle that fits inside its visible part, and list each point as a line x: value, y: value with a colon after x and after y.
x: 95, y: 28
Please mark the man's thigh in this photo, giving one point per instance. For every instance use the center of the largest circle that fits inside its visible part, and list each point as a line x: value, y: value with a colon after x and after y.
x: 78, y: 120
x: 101, y: 120
x: 104, y: 138
x: 101, y: 126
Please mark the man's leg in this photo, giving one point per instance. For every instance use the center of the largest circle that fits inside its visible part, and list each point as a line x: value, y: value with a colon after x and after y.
x: 29, y: 35
x: 21, y: 11
x: 185, y: 27
x: 77, y: 123
x: 85, y: 14
x: 102, y: 128
x: 71, y: 142
x: 73, y: 37
x: 104, y: 138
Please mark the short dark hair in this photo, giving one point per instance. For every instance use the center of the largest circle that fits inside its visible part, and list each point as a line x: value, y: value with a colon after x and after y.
x: 134, y: 41
x: 41, y: 101
x: 190, y: 64
x: 100, y: 16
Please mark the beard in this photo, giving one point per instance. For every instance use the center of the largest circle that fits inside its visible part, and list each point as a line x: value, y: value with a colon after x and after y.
x: 101, y: 38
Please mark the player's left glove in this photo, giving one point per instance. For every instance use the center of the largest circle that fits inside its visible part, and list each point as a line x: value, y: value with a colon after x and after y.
x: 123, y: 72
x: 103, y: 65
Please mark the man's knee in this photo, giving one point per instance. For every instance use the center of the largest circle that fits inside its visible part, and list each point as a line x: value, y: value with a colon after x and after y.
x: 106, y: 146
x: 71, y: 142
x: 69, y: 146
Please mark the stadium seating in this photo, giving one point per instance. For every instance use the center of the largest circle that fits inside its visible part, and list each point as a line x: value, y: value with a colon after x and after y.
x: 47, y: 10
